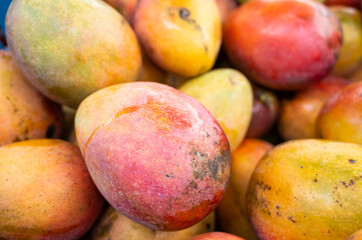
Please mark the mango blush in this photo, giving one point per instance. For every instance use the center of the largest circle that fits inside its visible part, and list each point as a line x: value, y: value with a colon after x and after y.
x: 283, y: 44
x: 157, y: 155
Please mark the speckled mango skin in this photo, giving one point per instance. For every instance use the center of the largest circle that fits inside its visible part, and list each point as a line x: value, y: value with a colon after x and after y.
x: 228, y: 95
x: 115, y: 226
x: 24, y: 112
x: 68, y: 56
x: 46, y: 191
x: 351, y: 49
x: 283, y: 44
x: 298, y: 117
x: 307, y: 189
x: 340, y: 118
x: 157, y: 155
x: 231, y: 214
x: 182, y: 36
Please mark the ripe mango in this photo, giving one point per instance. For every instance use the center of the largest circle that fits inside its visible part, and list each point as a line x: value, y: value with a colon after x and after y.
x: 228, y: 95
x: 157, y: 155
x: 24, y: 112
x: 71, y: 48
x: 46, y: 191
x: 182, y: 36
x: 115, y: 226
x: 307, y: 189
x: 340, y: 119
x: 351, y: 49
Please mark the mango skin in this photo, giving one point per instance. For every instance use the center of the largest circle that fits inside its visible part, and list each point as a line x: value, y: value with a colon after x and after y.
x: 266, y: 109
x: 298, y: 117
x: 157, y: 155
x: 307, y: 189
x: 124, y: 7
x: 68, y: 56
x: 355, y: 236
x: 283, y: 45
x: 351, y: 49
x: 182, y: 37
x: 216, y: 236
x: 24, y: 112
x: 115, y: 226
x: 46, y: 191
x: 357, y: 75
x: 225, y: 8
x: 227, y: 94
x: 350, y: 3
x: 340, y: 119
x: 231, y: 214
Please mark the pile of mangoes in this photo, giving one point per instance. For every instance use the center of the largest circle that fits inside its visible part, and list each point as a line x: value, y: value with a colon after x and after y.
x: 181, y: 119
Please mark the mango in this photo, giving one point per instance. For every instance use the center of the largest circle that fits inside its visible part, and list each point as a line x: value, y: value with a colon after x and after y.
x: 340, y: 119
x: 216, y: 236
x: 357, y: 75
x: 228, y: 95
x: 225, y: 8
x: 149, y: 71
x: 350, y: 3
x: 46, y: 191
x: 356, y: 236
x: 124, y: 7
x: 283, y: 44
x: 24, y: 112
x: 71, y: 48
x: 157, y: 155
x: 298, y: 117
x: 266, y: 109
x: 182, y: 37
x: 115, y: 226
x: 351, y: 49
x: 231, y: 214
x: 307, y: 189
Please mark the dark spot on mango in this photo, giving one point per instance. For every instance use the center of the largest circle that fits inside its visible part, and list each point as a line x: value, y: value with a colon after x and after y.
x: 3, y: 38
x: 184, y: 13
x: 315, y: 180
x: 351, y: 182
x: 351, y: 161
x: 50, y: 131
x: 208, y: 226
x: 301, y: 166
x: 291, y: 219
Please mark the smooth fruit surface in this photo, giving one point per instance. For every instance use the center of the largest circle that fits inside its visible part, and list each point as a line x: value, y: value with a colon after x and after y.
x: 46, y: 191
x: 298, y: 117
x: 340, y: 118
x: 283, y: 44
x: 351, y: 49
x: 71, y: 48
x: 216, y: 236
